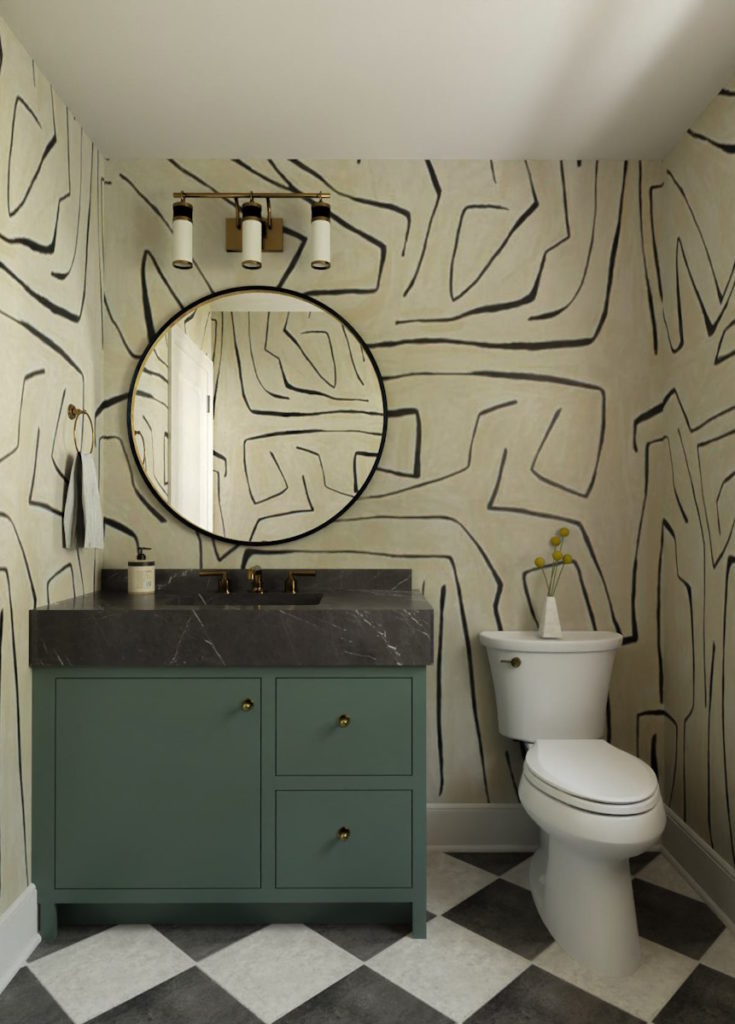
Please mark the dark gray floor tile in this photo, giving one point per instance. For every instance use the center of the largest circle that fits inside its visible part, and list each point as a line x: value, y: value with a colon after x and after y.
x: 199, y: 941
x: 189, y: 998
x: 706, y: 997
x: 504, y: 913
x: 638, y: 863
x: 66, y: 936
x: 364, y: 997
x: 536, y: 997
x: 497, y: 863
x: 673, y: 920
x: 363, y: 940
x: 26, y: 1001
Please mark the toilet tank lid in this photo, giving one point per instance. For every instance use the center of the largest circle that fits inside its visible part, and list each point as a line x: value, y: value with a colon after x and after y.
x: 593, y: 770
x: 572, y: 641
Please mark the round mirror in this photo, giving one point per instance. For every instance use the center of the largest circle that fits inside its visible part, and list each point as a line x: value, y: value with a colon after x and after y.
x: 257, y: 415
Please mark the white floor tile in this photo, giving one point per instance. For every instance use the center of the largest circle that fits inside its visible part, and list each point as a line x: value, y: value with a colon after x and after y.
x: 108, y: 968
x: 519, y: 874
x: 450, y: 880
x: 721, y: 954
x: 661, y: 871
x: 279, y: 967
x: 453, y: 970
x: 642, y: 994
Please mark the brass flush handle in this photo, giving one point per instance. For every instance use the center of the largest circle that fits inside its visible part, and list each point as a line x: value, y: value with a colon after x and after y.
x: 343, y: 833
x: 343, y: 721
x: 247, y: 704
x: 515, y: 662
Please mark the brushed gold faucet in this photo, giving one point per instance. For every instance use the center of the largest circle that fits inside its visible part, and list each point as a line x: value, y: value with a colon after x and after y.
x: 290, y: 582
x: 255, y: 576
x: 224, y: 580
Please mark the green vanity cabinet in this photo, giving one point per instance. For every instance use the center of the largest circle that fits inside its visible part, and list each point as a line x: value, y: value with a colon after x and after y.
x: 229, y: 794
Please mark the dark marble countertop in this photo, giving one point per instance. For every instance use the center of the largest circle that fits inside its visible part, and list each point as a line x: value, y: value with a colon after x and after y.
x: 187, y: 623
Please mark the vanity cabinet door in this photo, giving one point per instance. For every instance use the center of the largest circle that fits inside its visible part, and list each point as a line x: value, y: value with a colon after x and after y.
x: 157, y: 782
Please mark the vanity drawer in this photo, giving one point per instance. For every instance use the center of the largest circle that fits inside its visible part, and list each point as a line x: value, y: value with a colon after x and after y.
x: 344, y: 726
x: 376, y: 852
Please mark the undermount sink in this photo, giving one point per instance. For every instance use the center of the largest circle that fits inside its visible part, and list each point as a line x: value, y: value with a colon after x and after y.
x: 238, y: 598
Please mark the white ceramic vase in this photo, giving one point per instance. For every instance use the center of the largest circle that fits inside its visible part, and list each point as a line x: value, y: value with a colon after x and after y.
x: 550, y: 627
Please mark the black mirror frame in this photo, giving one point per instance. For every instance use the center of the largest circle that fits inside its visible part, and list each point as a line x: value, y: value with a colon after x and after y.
x: 239, y: 291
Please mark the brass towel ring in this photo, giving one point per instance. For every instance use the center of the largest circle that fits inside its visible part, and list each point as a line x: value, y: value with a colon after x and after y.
x: 74, y: 413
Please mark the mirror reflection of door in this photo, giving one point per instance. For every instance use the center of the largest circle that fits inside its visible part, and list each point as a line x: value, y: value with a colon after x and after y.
x: 257, y: 415
x: 191, y: 429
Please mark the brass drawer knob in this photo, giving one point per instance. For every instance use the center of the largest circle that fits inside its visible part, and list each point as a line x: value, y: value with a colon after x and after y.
x: 343, y: 834
x: 514, y: 662
x: 247, y: 704
x: 343, y: 721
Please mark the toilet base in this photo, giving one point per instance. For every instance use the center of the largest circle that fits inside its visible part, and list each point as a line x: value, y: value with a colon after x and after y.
x: 580, y: 878
x: 587, y: 906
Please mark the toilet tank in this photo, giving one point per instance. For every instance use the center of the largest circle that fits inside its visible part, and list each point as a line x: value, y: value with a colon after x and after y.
x: 551, y: 689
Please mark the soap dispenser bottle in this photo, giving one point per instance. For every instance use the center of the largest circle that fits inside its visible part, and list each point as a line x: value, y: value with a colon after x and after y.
x: 141, y: 574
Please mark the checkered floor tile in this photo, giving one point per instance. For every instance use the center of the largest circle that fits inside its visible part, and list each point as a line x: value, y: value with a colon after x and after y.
x: 487, y: 959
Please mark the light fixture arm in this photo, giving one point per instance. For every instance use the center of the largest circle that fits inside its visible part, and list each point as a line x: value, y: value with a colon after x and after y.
x: 183, y: 196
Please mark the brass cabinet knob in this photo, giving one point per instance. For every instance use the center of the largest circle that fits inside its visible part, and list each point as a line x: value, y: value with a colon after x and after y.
x: 514, y: 662
x: 247, y: 704
x: 343, y: 721
x: 343, y: 833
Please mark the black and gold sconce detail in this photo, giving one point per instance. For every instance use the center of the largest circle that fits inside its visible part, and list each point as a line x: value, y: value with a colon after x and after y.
x: 250, y: 232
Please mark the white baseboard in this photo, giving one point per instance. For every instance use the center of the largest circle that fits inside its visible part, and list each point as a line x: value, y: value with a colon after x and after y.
x: 478, y: 827
x: 18, y: 934
x: 704, y: 869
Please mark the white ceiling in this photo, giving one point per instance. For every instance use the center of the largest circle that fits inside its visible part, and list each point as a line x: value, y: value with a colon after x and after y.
x: 499, y: 79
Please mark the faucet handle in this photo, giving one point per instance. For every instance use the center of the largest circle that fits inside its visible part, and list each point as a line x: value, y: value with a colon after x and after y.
x: 224, y: 579
x: 290, y: 582
x: 255, y: 576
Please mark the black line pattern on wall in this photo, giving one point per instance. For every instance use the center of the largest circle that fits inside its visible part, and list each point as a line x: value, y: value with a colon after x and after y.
x: 50, y: 276
x: 688, y: 513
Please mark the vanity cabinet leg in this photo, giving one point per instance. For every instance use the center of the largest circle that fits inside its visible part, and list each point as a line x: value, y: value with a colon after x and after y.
x: 48, y: 920
x: 418, y: 919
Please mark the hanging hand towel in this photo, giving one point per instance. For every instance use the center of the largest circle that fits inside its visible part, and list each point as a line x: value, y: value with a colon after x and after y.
x: 94, y: 529
x: 83, y: 524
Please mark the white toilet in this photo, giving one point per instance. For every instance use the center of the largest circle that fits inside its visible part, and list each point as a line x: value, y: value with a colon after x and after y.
x: 595, y: 805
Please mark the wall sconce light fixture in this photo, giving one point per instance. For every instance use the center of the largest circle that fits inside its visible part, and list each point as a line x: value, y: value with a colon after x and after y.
x: 249, y: 232
x: 183, y: 232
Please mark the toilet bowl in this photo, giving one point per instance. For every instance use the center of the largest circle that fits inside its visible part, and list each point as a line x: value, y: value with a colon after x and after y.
x: 595, y: 806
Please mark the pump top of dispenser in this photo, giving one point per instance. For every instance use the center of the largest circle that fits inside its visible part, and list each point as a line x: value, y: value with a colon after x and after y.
x: 140, y: 558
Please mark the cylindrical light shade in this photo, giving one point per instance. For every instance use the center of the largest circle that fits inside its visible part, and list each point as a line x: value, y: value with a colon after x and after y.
x: 321, y: 255
x: 252, y: 236
x: 183, y: 236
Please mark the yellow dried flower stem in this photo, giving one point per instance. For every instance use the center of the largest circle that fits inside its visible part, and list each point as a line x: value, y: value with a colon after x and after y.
x: 540, y: 564
x: 559, y: 560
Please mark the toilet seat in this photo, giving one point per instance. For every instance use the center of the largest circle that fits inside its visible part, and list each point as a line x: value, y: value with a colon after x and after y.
x: 592, y: 775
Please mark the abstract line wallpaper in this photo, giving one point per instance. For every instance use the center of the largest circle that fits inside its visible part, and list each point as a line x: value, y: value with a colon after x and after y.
x: 51, y: 351
x: 685, y: 550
